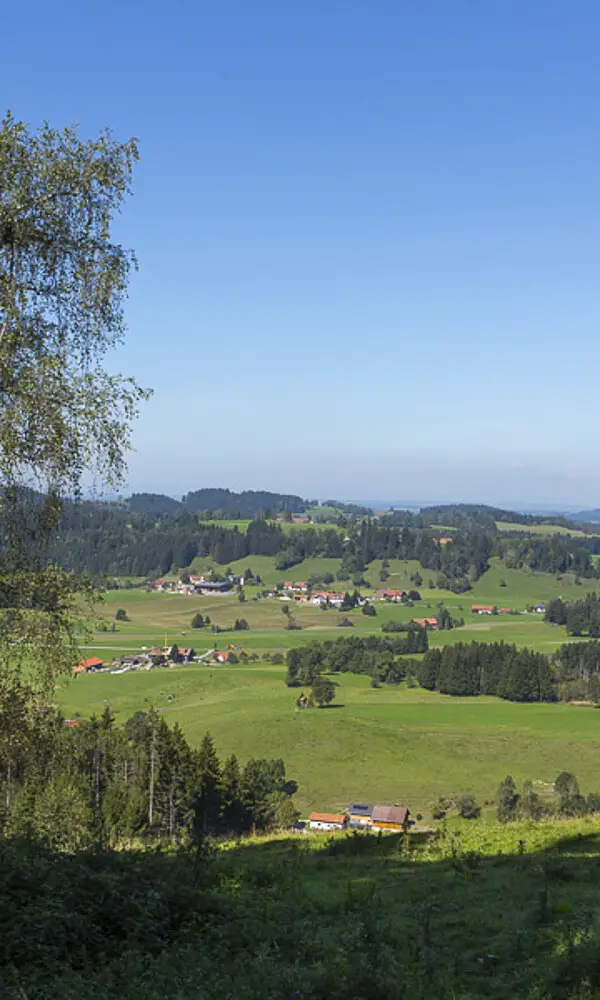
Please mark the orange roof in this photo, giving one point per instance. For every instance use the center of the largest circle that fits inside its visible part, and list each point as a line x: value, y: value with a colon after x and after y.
x: 504, y: 611
x: 86, y: 664
x: 222, y: 654
x: 395, y: 593
x: 481, y: 607
x: 327, y: 818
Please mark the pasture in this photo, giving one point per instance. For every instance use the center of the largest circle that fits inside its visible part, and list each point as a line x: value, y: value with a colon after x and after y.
x: 388, y: 743
x: 393, y: 744
x: 152, y: 615
x: 538, y: 529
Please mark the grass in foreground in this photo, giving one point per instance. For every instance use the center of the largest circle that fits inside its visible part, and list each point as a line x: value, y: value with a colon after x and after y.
x: 503, y: 913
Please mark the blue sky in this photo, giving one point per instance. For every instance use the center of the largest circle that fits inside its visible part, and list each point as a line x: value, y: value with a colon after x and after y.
x: 368, y: 236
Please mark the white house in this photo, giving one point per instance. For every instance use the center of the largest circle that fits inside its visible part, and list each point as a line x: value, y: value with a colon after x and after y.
x: 327, y: 821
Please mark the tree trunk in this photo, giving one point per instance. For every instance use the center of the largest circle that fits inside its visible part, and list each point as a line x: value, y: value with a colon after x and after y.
x: 152, y: 765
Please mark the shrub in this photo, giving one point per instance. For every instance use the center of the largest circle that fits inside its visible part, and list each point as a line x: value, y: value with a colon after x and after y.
x: 467, y: 806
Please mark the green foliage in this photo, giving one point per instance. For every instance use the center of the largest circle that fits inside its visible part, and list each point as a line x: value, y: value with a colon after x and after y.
x: 488, y: 668
x: 467, y: 806
x: 121, y: 615
x: 508, y: 800
x: 323, y: 691
x: 62, y: 285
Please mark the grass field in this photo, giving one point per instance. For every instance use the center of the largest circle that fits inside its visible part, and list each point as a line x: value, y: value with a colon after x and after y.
x: 387, y: 743
x: 538, y: 529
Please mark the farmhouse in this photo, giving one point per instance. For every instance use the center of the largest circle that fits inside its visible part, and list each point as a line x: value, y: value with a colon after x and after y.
x: 390, y: 817
x: 388, y: 595
x: 323, y: 598
x: 426, y: 622
x: 504, y: 611
x: 327, y: 821
x: 212, y: 586
x: 360, y: 815
x: 85, y: 666
x: 222, y: 655
x: 394, y: 595
x: 482, y: 609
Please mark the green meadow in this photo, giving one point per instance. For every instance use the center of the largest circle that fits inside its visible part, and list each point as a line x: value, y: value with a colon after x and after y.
x: 389, y: 744
x: 392, y: 744
x: 538, y: 529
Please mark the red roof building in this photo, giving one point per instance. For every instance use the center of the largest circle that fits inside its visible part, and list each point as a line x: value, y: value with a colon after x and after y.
x: 84, y: 665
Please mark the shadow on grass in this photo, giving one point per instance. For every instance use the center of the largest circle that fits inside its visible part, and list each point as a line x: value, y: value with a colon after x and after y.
x: 315, y: 916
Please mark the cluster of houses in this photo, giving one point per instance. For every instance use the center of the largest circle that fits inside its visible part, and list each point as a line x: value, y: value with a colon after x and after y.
x: 362, y: 817
x: 196, y: 585
x: 156, y: 656
x: 488, y: 609
x: 302, y: 593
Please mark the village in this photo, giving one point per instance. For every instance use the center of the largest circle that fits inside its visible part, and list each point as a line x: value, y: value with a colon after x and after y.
x: 157, y: 657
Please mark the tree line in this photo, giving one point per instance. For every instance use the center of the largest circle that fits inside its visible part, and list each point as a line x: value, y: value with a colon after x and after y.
x: 569, y: 674
x: 579, y: 617
x: 495, y: 668
x: 97, y: 782
x: 375, y: 656
x: 565, y: 800
x: 113, y: 539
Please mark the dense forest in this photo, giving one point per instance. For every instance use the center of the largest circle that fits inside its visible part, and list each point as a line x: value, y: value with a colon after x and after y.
x: 488, y: 668
x: 580, y: 617
x: 97, y: 782
x: 112, y: 540
x: 217, y: 503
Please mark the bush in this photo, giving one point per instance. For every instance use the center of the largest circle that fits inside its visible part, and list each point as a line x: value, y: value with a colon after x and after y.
x: 241, y: 625
x: 198, y: 621
x: 369, y: 609
x: 121, y: 615
x: 467, y: 806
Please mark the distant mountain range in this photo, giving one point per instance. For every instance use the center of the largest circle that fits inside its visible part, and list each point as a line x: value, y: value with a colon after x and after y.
x: 585, y: 516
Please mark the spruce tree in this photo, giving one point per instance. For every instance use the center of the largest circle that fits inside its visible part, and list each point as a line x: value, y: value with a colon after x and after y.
x: 508, y: 800
x: 209, y: 788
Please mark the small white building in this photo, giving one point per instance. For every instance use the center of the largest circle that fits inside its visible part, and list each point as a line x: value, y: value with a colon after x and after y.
x: 327, y: 821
